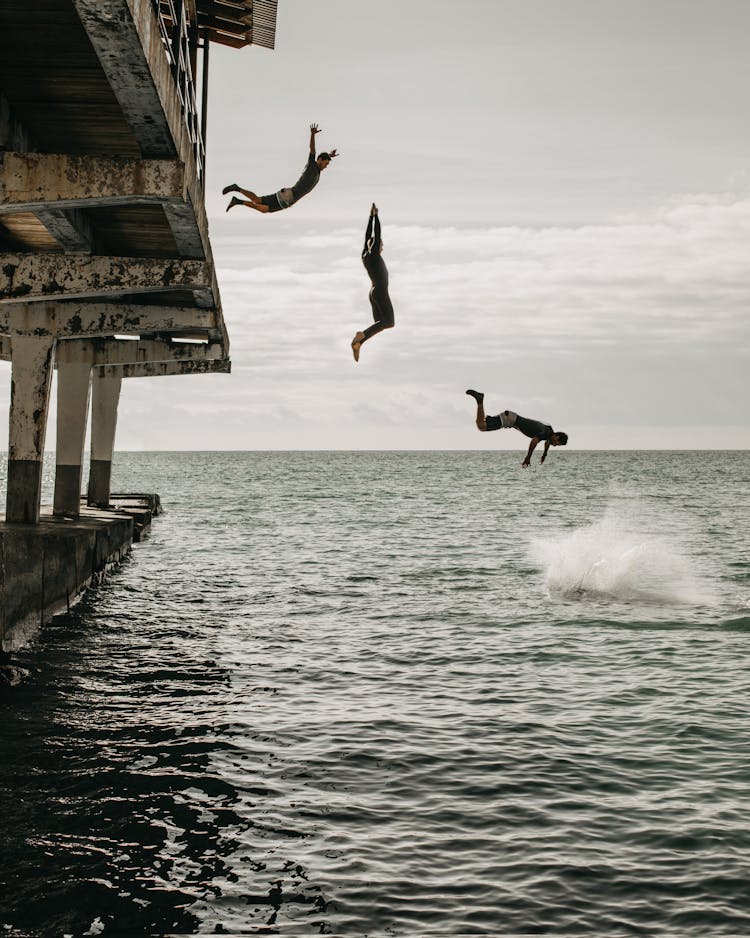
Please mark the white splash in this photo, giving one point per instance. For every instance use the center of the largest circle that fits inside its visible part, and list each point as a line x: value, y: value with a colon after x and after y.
x: 614, y: 558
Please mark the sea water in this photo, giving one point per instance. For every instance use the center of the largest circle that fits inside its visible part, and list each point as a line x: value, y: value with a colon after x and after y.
x: 393, y: 694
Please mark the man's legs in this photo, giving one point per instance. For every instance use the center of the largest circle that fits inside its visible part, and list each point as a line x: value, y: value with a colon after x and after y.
x: 255, y: 201
x: 257, y: 205
x: 479, y: 398
x: 235, y: 188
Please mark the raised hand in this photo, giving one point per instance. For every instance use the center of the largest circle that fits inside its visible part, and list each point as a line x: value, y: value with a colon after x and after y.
x: 314, y: 129
x: 333, y: 153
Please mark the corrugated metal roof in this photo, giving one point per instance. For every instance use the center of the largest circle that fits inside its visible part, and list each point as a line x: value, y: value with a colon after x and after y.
x: 239, y: 23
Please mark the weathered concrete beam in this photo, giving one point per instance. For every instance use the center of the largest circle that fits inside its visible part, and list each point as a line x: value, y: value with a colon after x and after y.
x: 210, y: 298
x: 58, y: 180
x: 164, y: 369
x: 124, y: 352
x: 29, y: 400
x: 71, y: 229
x: 205, y: 297
x: 119, y: 351
x: 71, y: 319
x: 111, y: 29
x: 187, y: 236
x: 124, y: 31
x: 150, y: 41
x: 32, y: 277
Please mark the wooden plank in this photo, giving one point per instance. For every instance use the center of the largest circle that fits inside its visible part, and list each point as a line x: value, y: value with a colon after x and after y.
x: 133, y: 231
x: 25, y: 232
x: 54, y: 82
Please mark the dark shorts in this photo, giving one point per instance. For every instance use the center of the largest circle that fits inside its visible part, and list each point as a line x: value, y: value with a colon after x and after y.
x: 272, y: 202
x: 493, y: 423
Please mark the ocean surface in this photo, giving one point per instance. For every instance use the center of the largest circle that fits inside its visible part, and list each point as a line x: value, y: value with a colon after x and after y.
x: 395, y: 694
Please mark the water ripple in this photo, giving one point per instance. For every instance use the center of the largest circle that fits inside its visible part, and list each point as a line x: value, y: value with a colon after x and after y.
x: 381, y: 707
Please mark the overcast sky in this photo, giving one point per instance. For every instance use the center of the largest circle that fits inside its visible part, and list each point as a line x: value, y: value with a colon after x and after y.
x: 564, y: 190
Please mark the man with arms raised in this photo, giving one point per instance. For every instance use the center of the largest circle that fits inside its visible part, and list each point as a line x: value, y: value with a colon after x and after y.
x: 285, y: 198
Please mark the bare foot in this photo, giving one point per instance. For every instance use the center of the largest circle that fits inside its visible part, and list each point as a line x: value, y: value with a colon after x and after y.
x: 357, y: 344
x: 477, y: 395
x: 234, y: 202
x: 230, y: 188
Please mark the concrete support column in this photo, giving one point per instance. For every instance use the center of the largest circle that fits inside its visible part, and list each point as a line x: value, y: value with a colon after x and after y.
x: 73, y: 383
x: 104, y: 400
x: 31, y: 375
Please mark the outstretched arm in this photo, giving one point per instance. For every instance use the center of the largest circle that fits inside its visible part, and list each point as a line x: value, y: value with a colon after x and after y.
x: 368, y: 237
x: 314, y: 129
x: 532, y: 446
x: 546, y: 447
x: 372, y: 231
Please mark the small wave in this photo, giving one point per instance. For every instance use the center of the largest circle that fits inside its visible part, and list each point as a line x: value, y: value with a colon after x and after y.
x: 740, y: 624
x: 614, y: 559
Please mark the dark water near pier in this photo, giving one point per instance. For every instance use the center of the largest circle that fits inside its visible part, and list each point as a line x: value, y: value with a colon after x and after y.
x: 395, y: 694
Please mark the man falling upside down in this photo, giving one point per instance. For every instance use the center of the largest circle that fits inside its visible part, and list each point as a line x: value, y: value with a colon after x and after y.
x: 372, y: 258
x: 285, y: 198
x: 535, y: 429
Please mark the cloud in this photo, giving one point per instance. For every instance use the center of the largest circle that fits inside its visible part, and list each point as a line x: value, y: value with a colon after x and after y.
x: 638, y: 325
x: 581, y: 310
x: 679, y: 275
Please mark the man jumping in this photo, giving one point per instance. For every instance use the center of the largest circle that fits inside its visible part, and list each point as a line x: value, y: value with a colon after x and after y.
x: 372, y: 258
x: 285, y: 198
x: 535, y: 429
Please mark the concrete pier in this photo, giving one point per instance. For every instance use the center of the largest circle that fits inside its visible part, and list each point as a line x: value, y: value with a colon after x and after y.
x: 45, y: 567
x: 106, y: 267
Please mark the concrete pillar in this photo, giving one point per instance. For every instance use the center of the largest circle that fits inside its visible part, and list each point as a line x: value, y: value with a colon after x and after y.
x: 31, y: 375
x: 104, y: 400
x: 73, y: 383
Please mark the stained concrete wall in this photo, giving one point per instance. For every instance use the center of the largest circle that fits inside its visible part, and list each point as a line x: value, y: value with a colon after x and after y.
x: 45, y: 567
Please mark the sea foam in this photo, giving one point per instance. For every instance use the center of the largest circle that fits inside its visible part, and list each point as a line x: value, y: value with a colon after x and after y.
x: 620, y: 557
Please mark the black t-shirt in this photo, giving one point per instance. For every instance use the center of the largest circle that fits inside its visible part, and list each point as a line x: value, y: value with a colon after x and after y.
x: 308, y: 180
x: 533, y: 428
